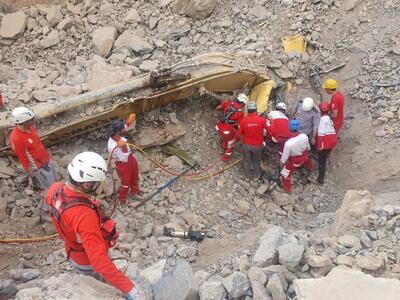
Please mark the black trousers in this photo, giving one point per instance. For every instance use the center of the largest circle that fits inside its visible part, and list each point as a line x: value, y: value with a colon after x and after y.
x: 322, y: 158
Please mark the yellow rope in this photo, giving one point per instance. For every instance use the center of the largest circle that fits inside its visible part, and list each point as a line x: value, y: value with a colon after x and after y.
x: 29, y: 240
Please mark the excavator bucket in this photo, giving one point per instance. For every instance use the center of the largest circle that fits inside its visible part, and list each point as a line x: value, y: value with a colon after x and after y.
x: 217, y: 72
x: 260, y: 95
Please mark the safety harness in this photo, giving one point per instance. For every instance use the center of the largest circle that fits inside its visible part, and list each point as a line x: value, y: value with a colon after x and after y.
x: 226, y: 117
x: 60, y: 203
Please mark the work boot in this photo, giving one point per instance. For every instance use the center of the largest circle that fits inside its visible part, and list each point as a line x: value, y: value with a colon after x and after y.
x: 226, y: 158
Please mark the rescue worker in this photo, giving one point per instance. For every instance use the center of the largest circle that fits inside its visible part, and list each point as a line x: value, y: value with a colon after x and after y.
x: 252, y: 127
x: 232, y: 114
x: 337, y: 103
x: 278, y: 126
x: 87, y: 233
x: 31, y: 153
x: 125, y: 162
x: 326, y: 139
x: 295, y: 155
x: 308, y: 115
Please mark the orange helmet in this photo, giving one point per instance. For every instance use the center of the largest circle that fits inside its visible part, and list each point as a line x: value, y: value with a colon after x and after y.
x: 325, y: 107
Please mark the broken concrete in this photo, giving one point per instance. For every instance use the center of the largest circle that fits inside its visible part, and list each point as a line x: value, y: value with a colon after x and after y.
x: 344, y: 284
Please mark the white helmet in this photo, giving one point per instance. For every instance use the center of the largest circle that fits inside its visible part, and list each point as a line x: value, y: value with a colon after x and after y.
x: 87, y: 167
x: 242, y: 98
x: 22, y: 114
x: 308, y: 104
x: 281, y: 105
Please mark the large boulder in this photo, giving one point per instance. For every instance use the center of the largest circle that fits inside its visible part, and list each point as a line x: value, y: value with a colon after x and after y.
x: 290, y: 255
x: 129, y: 40
x: 275, y: 288
x: 53, y: 15
x: 103, y: 40
x: 236, y: 284
x: 177, y: 284
x: 267, y: 253
x: 343, y: 284
x: 197, y: 9
x: 102, y: 75
x: 212, y: 290
x: 13, y: 25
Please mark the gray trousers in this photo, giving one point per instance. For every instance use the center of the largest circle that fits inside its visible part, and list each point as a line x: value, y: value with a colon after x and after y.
x: 252, y: 161
x: 45, y: 176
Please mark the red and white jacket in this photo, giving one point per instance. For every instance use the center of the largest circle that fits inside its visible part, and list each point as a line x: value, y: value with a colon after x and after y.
x: 296, y: 146
x: 278, y: 125
x: 29, y: 148
x: 326, y: 136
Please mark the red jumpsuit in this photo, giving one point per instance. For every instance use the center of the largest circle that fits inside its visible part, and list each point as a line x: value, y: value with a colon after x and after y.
x: 278, y: 129
x: 295, y: 154
x: 337, y: 104
x: 232, y: 114
x: 127, y: 168
x: 83, y: 233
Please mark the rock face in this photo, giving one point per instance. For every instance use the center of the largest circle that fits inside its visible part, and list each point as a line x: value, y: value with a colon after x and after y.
x: 68, y: 286
x: 178, y: 284
x: 197, y: 9
x: 266, y: 253
x: 343, y: 284
x: 103, y: 39
x: 13, y: 25
x: 236, y: 284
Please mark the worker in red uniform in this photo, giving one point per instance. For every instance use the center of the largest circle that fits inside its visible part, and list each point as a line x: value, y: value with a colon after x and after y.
x: 87, y: 233
x: 337, y: 103
x: 278, y: 126
x: 232, y: 114
x: 31, y: 153
x: 295, y: 155
x: 326, y: 139
x: 252, y: 128
x: 125, y: 162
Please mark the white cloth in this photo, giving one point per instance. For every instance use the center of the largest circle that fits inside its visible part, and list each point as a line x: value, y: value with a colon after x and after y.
x: 118, y: 154
x: 295, y: 147
x: 326, y: 126
x: 276, y: 114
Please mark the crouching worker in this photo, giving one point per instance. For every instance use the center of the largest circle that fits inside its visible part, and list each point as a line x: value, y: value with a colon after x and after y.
x: 326, y: 139
x: 278, y: 126
x: 295, y: 155
x: 31, y: 153
x: 125, y: 162
x: 87, y: 233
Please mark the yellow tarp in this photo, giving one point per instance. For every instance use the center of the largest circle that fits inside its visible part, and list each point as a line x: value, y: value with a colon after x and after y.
x: 260, y: 94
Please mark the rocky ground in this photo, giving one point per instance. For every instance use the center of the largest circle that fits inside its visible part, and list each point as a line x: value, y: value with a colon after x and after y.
x: 269, y: 240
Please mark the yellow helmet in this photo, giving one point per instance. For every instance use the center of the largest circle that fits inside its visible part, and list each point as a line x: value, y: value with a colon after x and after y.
x: 330, y: 84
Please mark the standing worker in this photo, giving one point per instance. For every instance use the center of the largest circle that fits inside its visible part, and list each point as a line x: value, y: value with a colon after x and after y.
x: 252, y: 128
x: 232, y: 115
x: 87, y: 233
x: 295, y: 154
x: 31, y: 153
x: 125, y: 162
x: 278, y: 126
x: 326, y: 140
x: 308, y: 115
x: 337, y: 103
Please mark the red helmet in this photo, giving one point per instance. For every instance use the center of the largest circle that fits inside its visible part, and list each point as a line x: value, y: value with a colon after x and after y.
x: 325, y: 107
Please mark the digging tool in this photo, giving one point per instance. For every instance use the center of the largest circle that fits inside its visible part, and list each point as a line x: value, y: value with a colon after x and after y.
x: 167, y: 184
x: 192, y: 235
x: 182, y: 154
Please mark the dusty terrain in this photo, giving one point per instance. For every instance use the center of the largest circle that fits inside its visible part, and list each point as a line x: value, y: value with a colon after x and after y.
x: 362, y: 34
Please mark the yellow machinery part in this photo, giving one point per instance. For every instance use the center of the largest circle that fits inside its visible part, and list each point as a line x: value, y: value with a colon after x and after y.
x: 260, y: 95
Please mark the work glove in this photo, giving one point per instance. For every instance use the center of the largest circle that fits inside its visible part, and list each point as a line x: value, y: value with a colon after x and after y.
x: 136, y: 294
x: 131, y: 118
x: 202, y: 91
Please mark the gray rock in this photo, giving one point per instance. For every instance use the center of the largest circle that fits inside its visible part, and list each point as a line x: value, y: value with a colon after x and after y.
x: 258, y: 11
x: 53, y: 15
x: 257, y: 274
x: 132, y: 16
x: 275, y: 288
x: 24, y: 274
x: 149, y: 65
x: 259, y: 291
x: 132, y: 270
x: 236, y: 284
x: 103, y: 40
x: 365, y: 240
x: 130, y: 40
x: 290, y: 255
x: 146, y: 230
x: 349, y: 241
x: 266, y: 253
x: 177, y: 284
x: 154, y: 272
x: 212, y: 290
x: 13, y: 25
x: 52, y: 39
x: 197, y: 9
x: 188, y: 252
x: 350, y: 4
